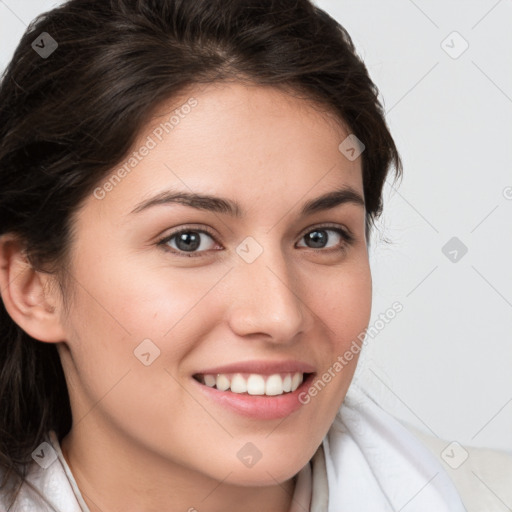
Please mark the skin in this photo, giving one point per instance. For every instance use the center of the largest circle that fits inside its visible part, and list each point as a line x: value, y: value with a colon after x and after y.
x: 143, y: 437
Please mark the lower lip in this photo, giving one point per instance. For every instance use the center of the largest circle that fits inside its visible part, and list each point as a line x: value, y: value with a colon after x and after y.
x: 258, y: 406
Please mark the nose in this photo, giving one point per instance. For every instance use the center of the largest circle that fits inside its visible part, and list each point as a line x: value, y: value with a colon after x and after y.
x: 266, y: 299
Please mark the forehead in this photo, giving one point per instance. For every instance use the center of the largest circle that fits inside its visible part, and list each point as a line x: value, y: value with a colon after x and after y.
x: 242, y: 141
x: 240, y: 108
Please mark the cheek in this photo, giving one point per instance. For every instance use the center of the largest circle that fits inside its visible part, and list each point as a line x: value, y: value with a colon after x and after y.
x: 343, y: 306
x: 119, y: 316
x: 137, y: 300
x: 123, y: 311
x: 343, y: 300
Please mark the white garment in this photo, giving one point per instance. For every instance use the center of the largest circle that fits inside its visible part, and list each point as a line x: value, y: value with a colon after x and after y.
x: 375, y: 464
x: 368, y: 462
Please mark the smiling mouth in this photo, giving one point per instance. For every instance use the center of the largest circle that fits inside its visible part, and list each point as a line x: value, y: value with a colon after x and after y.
x: 254, y: 383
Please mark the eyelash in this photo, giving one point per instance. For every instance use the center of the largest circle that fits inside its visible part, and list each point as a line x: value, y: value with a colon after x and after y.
x: 348, y: 239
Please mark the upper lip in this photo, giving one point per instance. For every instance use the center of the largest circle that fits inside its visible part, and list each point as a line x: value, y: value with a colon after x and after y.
x: 260, y: 367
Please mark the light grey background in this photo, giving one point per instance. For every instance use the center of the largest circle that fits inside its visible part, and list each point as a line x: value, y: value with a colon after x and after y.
x: 444, y: 363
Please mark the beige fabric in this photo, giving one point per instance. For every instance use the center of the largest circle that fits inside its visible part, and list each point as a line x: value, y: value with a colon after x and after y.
x: 482, y: 476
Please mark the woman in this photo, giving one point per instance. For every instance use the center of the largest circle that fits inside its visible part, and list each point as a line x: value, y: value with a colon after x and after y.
x: 187, y: 194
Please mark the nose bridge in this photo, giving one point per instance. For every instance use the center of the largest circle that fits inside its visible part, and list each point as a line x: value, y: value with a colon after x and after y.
x: 266, y: 297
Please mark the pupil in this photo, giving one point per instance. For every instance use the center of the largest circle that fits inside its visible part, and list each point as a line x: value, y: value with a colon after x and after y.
x: 188, y: 241
x: 318, y: 238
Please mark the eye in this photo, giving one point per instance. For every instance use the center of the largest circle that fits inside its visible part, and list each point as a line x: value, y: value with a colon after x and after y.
x: 188, y: 240
x: 319, y: 238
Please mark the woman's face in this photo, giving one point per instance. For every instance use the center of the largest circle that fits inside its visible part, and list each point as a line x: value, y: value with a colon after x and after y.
x: 261, y: 288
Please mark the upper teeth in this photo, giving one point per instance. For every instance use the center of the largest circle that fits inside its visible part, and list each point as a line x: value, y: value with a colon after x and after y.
x: 255, y: 384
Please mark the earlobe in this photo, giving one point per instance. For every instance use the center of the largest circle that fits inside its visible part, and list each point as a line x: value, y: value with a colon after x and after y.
x: 27, y: 294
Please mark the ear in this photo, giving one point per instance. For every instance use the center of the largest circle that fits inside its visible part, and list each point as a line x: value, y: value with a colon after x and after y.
x: 28, y: 295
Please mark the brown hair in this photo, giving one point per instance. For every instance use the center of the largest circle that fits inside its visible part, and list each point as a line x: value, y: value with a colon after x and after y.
x: 67, y: 118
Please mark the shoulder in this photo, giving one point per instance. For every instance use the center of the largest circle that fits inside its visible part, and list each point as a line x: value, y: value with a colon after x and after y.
x: 482, y: 476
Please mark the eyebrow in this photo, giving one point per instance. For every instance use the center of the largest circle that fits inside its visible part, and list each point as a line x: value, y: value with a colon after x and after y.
x: 343, y: 195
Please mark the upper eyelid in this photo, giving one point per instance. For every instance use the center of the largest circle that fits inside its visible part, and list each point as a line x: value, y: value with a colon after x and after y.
x: 327, y: 226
